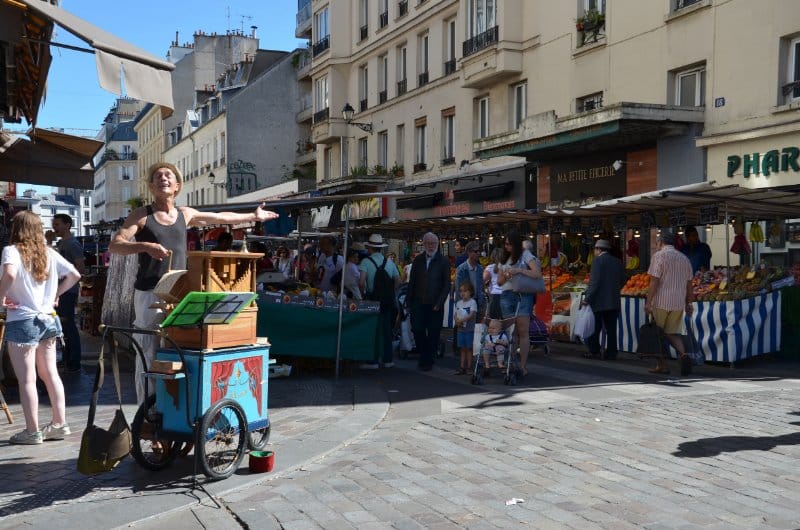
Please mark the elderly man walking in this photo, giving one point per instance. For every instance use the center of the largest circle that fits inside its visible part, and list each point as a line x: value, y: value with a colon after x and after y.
x: 428, y: 288
x: 669, y: 296
x: 370, y: 268
x: 603, y: 296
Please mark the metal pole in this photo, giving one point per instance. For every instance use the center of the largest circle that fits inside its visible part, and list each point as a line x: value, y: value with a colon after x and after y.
x: 341, y: 286
x: 727, y: 244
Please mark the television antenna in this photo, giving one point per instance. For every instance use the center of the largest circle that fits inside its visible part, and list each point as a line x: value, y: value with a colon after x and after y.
x: 243, y: 17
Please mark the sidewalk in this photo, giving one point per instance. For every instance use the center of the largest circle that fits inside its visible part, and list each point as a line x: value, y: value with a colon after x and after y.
x: 312, y: 416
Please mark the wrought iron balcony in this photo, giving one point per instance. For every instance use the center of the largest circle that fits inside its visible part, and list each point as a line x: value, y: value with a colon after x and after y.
x: 423, y: 79
x: 321, y: 45
x: 449, y: 66
x: 402, y: 8
x: 364, y: 32
x: 449, y: 161
x: 383, y: 19
x: 481, y: 41
x: 420, y: 166
x: 362, y: 105
x: 382, y: 96
x: 402, y: 87
x: 321, y: 115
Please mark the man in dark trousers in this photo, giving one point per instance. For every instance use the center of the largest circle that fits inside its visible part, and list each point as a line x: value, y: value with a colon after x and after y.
x: 603, y: 296
x: 69, y: 247
x: 428, y: 288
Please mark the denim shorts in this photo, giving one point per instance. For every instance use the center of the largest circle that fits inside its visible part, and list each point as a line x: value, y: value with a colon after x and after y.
x: 31, y: 331
x: 464, y: 338
x: 516, y: 305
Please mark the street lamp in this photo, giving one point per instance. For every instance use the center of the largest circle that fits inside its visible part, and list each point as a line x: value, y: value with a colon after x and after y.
x: 211, y: 177
x: 347, y: 114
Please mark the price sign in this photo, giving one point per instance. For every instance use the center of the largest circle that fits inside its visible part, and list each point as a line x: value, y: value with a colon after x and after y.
x: 595, y: 225
x: 558, y: 224
x: 574, y: 225
x: 542, y: 227
x: 647, y: 220
x: 709, y: 214
x: 619, y: 223
x: 677, y: 216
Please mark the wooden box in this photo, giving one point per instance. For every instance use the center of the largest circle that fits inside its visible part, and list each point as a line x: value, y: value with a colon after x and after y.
x: 240, y: 332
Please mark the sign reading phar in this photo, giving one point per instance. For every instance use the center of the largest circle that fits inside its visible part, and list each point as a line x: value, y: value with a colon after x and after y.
x: 773, y: 161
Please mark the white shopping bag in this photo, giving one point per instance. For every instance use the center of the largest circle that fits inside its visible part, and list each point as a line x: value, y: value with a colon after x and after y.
x: 584, y: 325
x: 477, y: 339
x: 406, y: 336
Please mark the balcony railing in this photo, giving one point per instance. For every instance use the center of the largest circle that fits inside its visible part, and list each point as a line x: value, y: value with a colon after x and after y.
x: 304, y: 14
x: 402, y: 8
x: 321, y: 45
x: 382, y: 97
x: 680, y: 4
x: 481, y: 41
x: 383, y: 19
x: 449, y: 161
x: 593, y: 103
x: 449, y: 66
x: 362, y: 105
x: 420, y: 166
x: 423, y: 79
x: 402, y: 87
x: 321, y: 115
x: 363, y: 32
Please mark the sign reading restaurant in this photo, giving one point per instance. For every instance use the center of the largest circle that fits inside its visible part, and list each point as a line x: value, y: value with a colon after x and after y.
x: 773, y: 161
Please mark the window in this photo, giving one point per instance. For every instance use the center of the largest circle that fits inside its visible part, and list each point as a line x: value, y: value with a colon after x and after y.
x: 595, y: 5
x: 383, y: 16
x: 86, y: 201
x: 450, y: 47
x: 87, y: 216
x: 680, y: 4
x: 363, y: 18
x: 402, y: 69
x: 481, y: 16
x: 53, y: 210
x: 326, y: 164
x: 383, y: 149
x: 222, y: 146
x: 321, y: 25
x: 690, y: 87
x: 72, y: 212
x: 420, y: 144
x: 321, y: 94
x: 448, y: 136
x: 483, y: 117
x: 791, y: 87
x: 363, y: 87
x: 383, y: 78
x: 520, y: 102
x: 590, y: 102
x: 401, y: 145
x: 422, y: 61
x: 126, y: 194
x: 362, y: 153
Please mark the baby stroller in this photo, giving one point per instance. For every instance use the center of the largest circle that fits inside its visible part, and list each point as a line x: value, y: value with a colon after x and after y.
x: 407, y: 344
x: 537, y: 334
x: 506, y: 359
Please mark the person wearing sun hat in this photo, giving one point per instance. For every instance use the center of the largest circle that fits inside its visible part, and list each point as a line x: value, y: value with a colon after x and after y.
x: 606, y: 280
x: 368, y: 268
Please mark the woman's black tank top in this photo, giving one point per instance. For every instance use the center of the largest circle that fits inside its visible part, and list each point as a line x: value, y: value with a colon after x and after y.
x: 172, y: 237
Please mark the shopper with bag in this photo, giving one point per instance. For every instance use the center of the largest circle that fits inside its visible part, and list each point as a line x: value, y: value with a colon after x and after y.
x: 29, y: 289
x: 520, y: 278
x: 603, y: 296
x: 669, y: 296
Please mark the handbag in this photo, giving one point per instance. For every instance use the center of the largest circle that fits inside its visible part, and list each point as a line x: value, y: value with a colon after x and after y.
x: 524, y: 284
x: 651, y: 339
x: 102, y: 449
x: 697, y: 357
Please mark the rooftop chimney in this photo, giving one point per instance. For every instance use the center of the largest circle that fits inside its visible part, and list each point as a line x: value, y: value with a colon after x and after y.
x: 253, y: 31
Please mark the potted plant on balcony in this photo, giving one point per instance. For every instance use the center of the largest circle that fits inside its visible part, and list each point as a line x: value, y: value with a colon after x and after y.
x: 359, y: 171
x: 379, y: 170
x: 397, y: 171
x: 590, y: 25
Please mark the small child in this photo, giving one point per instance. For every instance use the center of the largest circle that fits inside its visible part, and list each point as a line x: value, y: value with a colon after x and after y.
x: 495, y: 342
x: 464, y: 318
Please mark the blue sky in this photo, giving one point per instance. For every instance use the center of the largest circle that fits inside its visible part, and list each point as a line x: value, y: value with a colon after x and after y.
x: 75, y: 102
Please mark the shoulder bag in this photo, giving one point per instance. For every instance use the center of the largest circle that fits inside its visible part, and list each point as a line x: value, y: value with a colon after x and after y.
x: 524, y: 284
x: 102, y: 449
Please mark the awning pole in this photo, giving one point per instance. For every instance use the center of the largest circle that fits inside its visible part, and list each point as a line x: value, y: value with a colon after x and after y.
x: 727, y: 242
x: 341, y: 286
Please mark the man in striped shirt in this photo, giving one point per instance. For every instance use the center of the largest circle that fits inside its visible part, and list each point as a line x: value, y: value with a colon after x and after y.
x: 669, y: 295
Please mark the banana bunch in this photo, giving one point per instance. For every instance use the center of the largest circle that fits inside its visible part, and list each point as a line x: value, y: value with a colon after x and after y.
x: 756, y: 233
x: 633, y: 263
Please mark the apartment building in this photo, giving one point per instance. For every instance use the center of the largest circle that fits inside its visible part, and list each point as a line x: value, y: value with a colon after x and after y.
x: 508, y: 104
x: 149, y: 129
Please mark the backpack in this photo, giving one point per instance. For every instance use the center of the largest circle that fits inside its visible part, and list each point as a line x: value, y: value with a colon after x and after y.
x: 382, y: 287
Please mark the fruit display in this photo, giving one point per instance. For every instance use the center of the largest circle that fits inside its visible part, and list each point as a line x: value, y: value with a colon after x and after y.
x: 560, y: 328
x: 637, y: 285
x: 743, y: 282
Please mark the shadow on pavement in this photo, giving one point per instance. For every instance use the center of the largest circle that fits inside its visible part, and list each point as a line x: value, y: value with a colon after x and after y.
x: 730, y: 444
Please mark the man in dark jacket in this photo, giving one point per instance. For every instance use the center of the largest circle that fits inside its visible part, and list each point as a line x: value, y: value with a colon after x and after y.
x: 428, y: 288
x: 603, y: 296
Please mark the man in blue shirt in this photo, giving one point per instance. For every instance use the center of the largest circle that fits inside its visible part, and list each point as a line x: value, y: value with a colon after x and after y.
x: 699, y: 253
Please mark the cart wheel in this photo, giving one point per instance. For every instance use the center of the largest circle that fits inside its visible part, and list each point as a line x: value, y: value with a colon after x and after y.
x: 546, y: 349
x: 257, y: 439
x: 149, y: 451
x: 221, y: 439
x: 480, y: 378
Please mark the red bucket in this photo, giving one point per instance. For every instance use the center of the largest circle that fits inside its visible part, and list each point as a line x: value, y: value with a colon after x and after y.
x: 261, y: 461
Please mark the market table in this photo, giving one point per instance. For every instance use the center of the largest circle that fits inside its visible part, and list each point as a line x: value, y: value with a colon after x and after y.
x: 726, y: 331
x: 311, y: 332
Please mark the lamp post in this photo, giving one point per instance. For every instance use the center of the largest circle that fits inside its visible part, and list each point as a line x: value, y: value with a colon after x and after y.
x: 347, y: 114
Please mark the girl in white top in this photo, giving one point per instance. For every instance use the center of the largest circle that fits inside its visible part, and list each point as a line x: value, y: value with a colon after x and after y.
x: 352, y: 275
x: 284, y: 262
x: 29, y: 289
x: 490, y: 274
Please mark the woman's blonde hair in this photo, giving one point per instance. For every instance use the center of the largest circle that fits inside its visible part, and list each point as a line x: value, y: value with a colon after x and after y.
x: 27, y: 235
